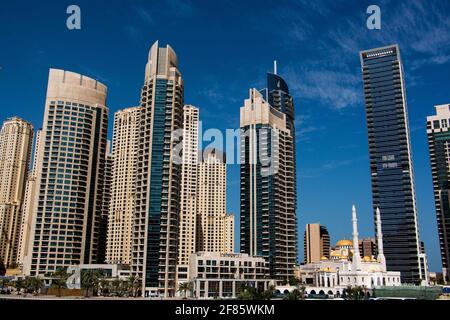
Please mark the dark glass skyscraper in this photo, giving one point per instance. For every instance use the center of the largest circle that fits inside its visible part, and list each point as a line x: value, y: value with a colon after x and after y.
x: 438, y: 129
x: 268, y: 190
x: 390, y: 159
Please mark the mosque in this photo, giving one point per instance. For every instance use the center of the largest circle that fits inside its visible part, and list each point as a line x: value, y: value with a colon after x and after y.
x: 345, y: 267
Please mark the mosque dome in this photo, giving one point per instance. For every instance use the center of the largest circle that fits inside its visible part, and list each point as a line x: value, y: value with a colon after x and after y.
x: 323, y: 258
x: 344, y: 243
x: 367, y: 259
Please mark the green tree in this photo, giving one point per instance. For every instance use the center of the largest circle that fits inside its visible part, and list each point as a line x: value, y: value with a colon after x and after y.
x: 105, y: 287
x: 59, y: 279
x: 32, y: 285
x: 355, y: 293
x: 90, y: 280
x: 294, y: 295
x: 4, y: 282
x: 134, y: 285
x: 293, y: 281
x: 115, y: 287
x: 185, y: 287
x: 19, y: 284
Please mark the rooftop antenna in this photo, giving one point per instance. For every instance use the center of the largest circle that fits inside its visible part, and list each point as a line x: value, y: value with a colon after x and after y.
x: 274, y: 66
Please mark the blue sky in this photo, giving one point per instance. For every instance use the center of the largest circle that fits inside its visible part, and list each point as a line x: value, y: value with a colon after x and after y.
x: 226, y: 47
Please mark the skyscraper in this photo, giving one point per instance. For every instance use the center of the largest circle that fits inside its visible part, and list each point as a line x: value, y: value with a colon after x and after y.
x: 122, y: 202
x: 27, y: 212
x: 16, y: 139
x: 268, y: 188
x: 439, y: 145
x: 106, y: 199
x: 317, y: 243
x: 158, y: 176
x: 390, y: 159
x: 188, y: 210
x: 66, y: 228
x: 212, y: 197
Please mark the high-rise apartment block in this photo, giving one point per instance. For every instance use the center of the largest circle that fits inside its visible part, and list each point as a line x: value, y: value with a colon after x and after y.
x: 316, y: 243
x: 16, y: 139
x: 391, y: 166
x: 27, y: 212
x: 188, y: 208
x: 123, y: 180
x: 439, y: 144
x: 212, y: 218
x: 268, y: 186
x: 158, y: 176
x: 68, y: 204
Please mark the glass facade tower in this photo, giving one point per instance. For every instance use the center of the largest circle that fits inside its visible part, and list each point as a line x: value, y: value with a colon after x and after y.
x: 390, y: 159
x: 158, y: 176
x: 268, y: 191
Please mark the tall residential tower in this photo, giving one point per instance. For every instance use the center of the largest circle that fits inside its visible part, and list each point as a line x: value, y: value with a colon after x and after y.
x: 16, y: 139
x: 438, y: 129
x: 391, y: 166
x: 123, y: 181
x: 158, y: 176
x: 68, y: 204
x: 268, y: 185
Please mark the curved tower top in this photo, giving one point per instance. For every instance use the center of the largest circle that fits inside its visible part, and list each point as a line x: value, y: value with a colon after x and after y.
x: 160, y: 61
x: 73, y: 86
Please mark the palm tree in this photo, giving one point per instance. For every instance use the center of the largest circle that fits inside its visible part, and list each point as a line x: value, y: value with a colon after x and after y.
x: 36, y: 285
x: 90, y: 280
x: 134, y: 285
x: 293, y: 295
x: 59, y: 279
x: 32, y: 285
x: 116, y: 287
x: 19, y: 284
x: 105, y: 287
x: 4, y: 282
x: 185, y: 287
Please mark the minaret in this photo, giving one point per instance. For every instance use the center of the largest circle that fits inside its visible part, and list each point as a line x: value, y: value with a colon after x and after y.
x: 381, y: 259
x: 356, y: 255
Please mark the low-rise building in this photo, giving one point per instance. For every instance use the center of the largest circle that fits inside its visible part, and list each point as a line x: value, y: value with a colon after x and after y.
x: 221, y: 275
x: 111, y: 271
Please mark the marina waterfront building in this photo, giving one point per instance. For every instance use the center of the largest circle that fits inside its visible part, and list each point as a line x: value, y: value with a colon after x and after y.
x: 27, y: 212
x: 16, y: 139
x: 268, y: 189
x: 391, y: 166
x: 158, y: 176
x: 123, y: 180
x: 68, y: 202
x: 439, y: 145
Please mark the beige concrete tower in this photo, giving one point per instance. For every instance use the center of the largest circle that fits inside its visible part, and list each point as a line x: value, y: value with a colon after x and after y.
x: 121, y: 208
x: 27, y: 212
x: 67, y: 206
x: 211, y: 205
x: 16, y: 138
x: 189, y: 171
x: 316, y: 243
